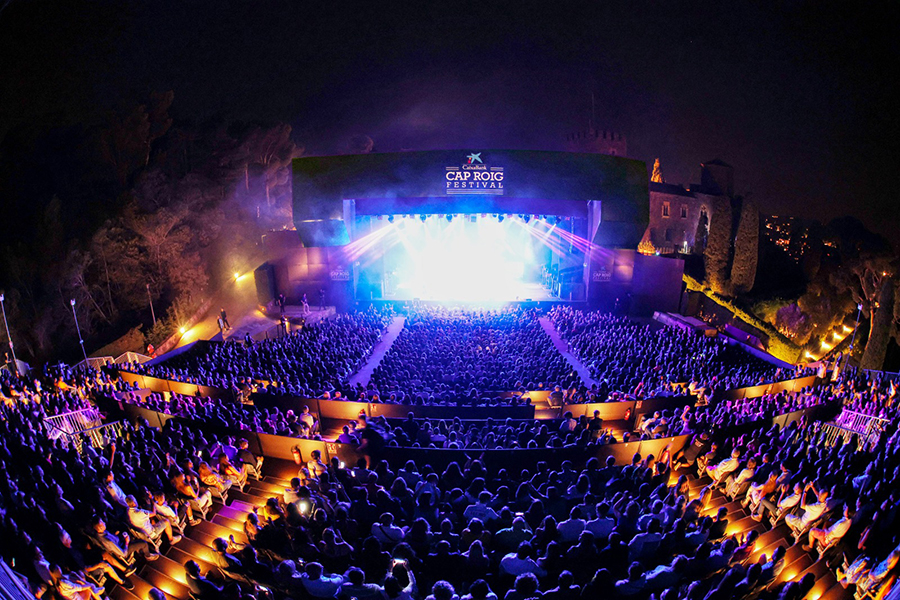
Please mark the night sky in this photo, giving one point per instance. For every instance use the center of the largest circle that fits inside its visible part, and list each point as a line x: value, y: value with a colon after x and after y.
x: 797, y: 96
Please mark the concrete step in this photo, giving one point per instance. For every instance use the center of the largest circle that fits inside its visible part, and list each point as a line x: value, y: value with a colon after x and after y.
x: 197, y: 550
x: 237, y: 526
x: 263, y: 488
x: 172, y: 588
x: 244, y: 507
x: 180, y: 556
x: 233, y: 513
x: 216, y: 530
x: 120, y: 593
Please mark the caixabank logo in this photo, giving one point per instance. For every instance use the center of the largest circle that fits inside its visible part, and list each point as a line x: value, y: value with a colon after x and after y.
x: 474, y: 177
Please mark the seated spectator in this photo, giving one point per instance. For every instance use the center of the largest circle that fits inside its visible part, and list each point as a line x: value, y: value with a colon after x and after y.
x: 811, y: 511
x: 149, y: 524
x: 480, y: 590
x: 201, y: 587
x: 319, y: 584
x: 442, y: 590
x: 721, y: 470
x: 832, y: 534
x: 521, y: 561
x: 121, y: 546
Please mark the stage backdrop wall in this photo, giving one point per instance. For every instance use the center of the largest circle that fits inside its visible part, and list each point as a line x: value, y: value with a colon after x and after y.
x: 518, y: 178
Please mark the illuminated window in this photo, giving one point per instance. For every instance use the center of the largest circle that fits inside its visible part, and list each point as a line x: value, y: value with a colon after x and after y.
x: 684, y: 211
x: 665, y: 209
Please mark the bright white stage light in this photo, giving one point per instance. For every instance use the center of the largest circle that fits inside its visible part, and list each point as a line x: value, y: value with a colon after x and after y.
x: 464, y: 261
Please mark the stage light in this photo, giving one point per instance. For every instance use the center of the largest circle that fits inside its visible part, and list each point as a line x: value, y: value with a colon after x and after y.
x: 500, y: 218
x: 423, y: 217
x: 526, y: 218
x: 391, y: 219
x: 449, y: 218
x: 182, y: 330
x: 237, y: 276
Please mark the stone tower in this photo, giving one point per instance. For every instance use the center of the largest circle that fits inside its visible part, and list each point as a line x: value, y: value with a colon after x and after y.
x: 597, y: 141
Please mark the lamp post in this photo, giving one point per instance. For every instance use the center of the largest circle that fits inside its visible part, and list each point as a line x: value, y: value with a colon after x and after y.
x: 150, y: 297
x: 855, y: 327
x: 78, y: 329
x: 9, y: 337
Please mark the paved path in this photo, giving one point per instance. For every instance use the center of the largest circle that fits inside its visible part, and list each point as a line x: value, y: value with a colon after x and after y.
x: 563, y: 349
x: 384, y: 344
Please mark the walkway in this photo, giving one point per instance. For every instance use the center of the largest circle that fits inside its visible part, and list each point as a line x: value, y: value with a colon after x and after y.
x: 563, y: 349
x: 384, y: 344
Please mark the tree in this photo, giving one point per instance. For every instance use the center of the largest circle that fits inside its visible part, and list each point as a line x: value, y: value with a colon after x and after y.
x: 702, y: 235
x: 746, y: 248
x: 880, y: 329
x: 718, y: 246
x: 125, y: 140
x: 657, y: 175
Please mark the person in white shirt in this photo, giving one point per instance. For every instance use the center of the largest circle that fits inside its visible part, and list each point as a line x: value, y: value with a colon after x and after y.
x: 811, y: 512
x: 520, y: 562
x: 830, y: 535
x: 315, y: 465
x: 481, y: 510
x: 69, y: 587
x: 735, y: 485
x: 386, y: 532
x: 149, y: 523
x: 644, y: 545
x: 306, y: 417
x: 114, y: 491
x: 568, y: 423
x: 571, y: 528
x: 319, y: 584
x: 721, y: 470
x: 291, y: 495
x: 603, y: 525
x: 786, y: 502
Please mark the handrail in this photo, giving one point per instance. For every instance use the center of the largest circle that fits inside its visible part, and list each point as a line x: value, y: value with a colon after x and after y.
x: 72, y: 422
x: 860, y: 423
x: 865, y: 440
x: 98, y: 436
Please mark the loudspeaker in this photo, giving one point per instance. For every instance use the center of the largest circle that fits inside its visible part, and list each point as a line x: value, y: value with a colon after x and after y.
x: 264, y: 275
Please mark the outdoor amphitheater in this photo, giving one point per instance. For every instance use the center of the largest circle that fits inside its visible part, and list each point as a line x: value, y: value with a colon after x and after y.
x: 494, y: 398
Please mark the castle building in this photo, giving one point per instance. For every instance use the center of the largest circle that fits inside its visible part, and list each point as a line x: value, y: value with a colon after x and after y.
x: 597, y: 141
x: 678, y: 214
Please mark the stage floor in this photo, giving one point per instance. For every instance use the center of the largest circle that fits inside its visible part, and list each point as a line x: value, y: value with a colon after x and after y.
x: 524, y: 292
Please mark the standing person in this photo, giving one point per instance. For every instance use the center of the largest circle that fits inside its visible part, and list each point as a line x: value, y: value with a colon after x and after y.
x: 224, y: 316
x: 284, y: 325
x: 321, y: 298
x: 281, y: 302
x: 221, y: 325
x: 305, y: 304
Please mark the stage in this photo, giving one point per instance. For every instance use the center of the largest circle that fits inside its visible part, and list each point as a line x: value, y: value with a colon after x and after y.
x: 523, y: 292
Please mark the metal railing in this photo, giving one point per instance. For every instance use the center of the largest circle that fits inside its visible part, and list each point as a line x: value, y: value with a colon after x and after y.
x: 72, y: 422
x: 864, y: 441
x: 98, y: 437
x: 860, y: 423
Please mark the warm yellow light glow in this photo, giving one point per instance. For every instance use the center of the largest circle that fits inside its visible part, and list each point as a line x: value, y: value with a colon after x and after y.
x: 847, y: 329
x: 809, y: 355
x: 182, y: 330
x: 836, y: 336
x: 826, y: 346
x: 237, y: 276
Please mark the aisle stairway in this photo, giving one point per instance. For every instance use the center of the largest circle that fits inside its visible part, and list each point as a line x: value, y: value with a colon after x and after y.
x: 798, y: 562
x: 167, y: 573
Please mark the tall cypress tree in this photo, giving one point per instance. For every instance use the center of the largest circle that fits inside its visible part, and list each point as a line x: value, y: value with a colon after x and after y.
x: 718, y: 246
x: 746, y: 248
